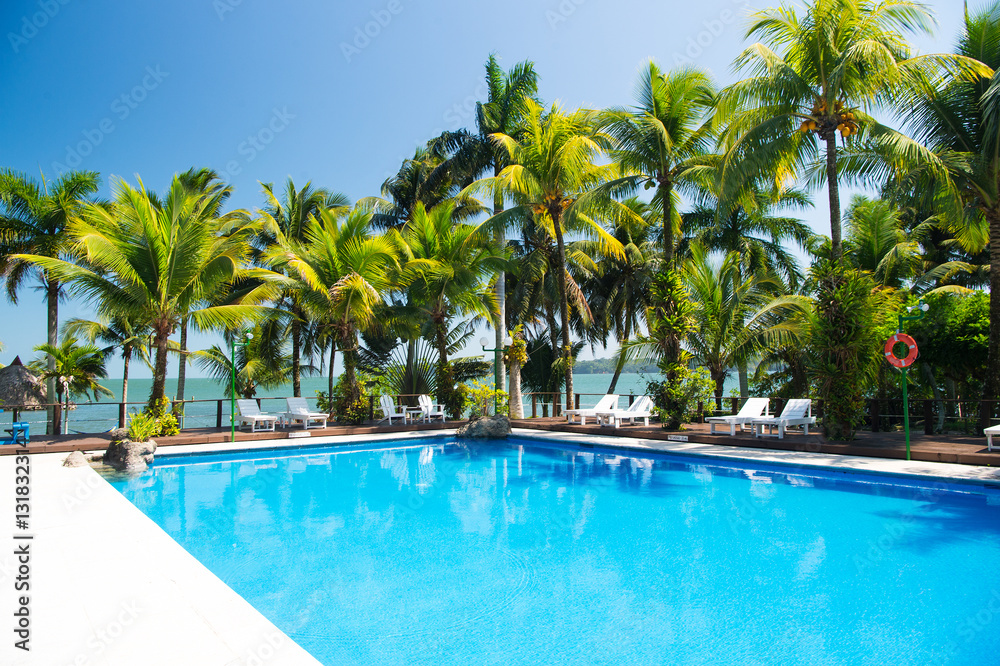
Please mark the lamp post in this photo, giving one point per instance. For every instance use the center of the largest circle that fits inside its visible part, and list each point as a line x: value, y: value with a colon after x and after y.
x: 238, y: 341
x: 507, y: 341
x: 921, y: 308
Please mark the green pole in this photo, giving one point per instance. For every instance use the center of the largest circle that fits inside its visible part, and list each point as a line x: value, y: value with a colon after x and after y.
x: 232, y: 395
x: 496, y: 381
x: 906, y: 415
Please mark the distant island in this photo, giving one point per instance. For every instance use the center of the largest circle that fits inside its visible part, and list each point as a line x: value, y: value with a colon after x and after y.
x: 606, y: 366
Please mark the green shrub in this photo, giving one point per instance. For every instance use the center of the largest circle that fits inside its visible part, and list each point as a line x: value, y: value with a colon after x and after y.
x: 142, y: 427
x: 350, y: 406
x: 481, y: 398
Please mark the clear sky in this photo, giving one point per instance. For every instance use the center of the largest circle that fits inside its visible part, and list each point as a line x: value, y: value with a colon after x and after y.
x: 335, y: 93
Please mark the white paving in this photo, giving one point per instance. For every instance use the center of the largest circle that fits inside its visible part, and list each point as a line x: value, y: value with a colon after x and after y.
x: 110, y: 588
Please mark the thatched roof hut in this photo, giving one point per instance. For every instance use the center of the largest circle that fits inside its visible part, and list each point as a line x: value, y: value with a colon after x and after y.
x: 20, y: 389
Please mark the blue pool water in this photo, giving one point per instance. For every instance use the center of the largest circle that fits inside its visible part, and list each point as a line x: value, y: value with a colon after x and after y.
x: 524, y: 553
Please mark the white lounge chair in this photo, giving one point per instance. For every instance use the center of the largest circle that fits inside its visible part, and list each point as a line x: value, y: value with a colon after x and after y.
x: 640, y: 409
x: 430, y: 410
x: 606, y: 404
x: 299, y: 412
x: 391, y: 411
x: 753, y: 408
x: 250, y: 414
x: 795, y: 413
x: 989, y: 432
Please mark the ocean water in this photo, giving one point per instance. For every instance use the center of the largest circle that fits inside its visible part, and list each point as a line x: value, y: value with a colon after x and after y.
x: 103, y: 415
x: 525, y: 553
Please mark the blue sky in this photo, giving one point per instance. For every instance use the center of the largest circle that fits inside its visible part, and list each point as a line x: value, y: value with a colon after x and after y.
x: 329, y: 92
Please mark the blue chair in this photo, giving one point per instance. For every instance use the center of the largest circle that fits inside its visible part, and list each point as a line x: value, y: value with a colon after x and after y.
x: 20, y: 432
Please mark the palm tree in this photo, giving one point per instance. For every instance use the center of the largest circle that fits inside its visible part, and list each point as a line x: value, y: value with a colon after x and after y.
x: 115, y: 333
x: 750, y: 224
x: 449, y: 262
x: 876, y: 243
x: 475, y: 154
x: 290, y: 214
x: 262, y: 363
x: 735, y: 314
x: 618, y: 293
x: 824, y: 72
x: 960, y: 119
x: 33, y: 217
x: 76, y: 371
x: 663, y: 142
x: 149, y: 261
x: 552, y: 176
x: 342, y: 273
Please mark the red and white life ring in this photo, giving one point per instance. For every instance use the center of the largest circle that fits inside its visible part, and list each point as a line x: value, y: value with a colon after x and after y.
x: 911, y: 354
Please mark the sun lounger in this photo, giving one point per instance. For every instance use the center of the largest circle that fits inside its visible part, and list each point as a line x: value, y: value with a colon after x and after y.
x: 390, y: 410
x: 753, y: 408
x: 429, y: 410
x: 299, y: 412
x: 989, y: 432
x: 795, y: 413
x: 606, y: 404
x: 640, y: 409
x: 250, y: 414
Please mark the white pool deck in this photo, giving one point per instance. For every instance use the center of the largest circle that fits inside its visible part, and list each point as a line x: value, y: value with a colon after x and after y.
x: 110, y: 588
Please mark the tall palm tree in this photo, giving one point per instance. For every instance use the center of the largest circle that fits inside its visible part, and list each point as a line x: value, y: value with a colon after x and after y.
x: 663, y: 142
x: 77, y: 369
x: 553, y: 175
x: 960, y: 120
x: 475, y: 153
x: 33, y: 217
x: 450, y: 263
x: 148, y: 260
x: 290, y: 214
x: 821, y: 72
x: 735, y: 314
x: 343, y: 273
x: 618, y: 292
x: 116, y: 333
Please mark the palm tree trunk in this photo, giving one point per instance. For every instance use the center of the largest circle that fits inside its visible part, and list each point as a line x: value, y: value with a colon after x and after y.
x: 516, y: 409
x: 127, y: 354
x: 833, y: 190
x: 182, y: 368
x: 744, y: 379
x: 668, y: 224
x: 991, y: 387
x: 720, y: 382
x: 621, y: 357
x: 52, y: 301
x: 329, y: 381
x: 296, y: 353
x: 159, y: 369
x: 563, y: 305
x: 501, y: 286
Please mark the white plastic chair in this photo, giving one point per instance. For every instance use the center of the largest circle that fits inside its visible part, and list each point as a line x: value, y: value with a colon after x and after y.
x: 250, y: 414
x: 390, y: 411
x: 299, y: 412
x: 753, y: 408
x: 642, y: 408
x: 796, y: 413
x: 608, y: 403
x: 989, y: 432
x: 429, y: 410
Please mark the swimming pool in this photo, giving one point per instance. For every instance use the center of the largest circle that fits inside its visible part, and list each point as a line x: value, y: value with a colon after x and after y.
x: 528, y: 552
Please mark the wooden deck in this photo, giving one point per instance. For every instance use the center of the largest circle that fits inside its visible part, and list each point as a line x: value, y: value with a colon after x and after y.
x: 931, y: 448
